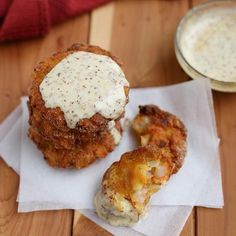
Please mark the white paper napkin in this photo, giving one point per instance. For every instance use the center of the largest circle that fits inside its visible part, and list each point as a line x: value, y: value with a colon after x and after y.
x: 189, y: 101
x: 172, y: 218
x: 12, y: 124
x: 161, y: 221
x: 43, y: 187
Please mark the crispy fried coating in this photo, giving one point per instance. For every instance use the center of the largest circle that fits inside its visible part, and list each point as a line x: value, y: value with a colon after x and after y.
x: 129, y: 183
x: 64, y: 147
x: 139, y: 174
x: 50, y: 119
x: 157, y: 127
x: 68, y: 140
x: 80, y: 156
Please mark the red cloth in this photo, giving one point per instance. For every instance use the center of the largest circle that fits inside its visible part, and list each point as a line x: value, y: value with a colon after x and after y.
x: 21, y: 19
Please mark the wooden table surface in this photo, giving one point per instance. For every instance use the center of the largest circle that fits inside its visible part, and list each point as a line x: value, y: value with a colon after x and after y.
x: 141, y: 33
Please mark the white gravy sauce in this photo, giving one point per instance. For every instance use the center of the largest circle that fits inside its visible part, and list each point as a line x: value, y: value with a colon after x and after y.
x: 208, y: 42
x: 83, y: 84
x: 114, y: 132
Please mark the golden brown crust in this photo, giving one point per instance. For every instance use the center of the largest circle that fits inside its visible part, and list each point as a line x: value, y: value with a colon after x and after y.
x: 129, y: 183
x: 163, y: 129
x: 140, y: 173
x: 62, y: 146
x: 68, y: 140
x: 135, y: 176
x: 55, y: 116
x: 80, y: 156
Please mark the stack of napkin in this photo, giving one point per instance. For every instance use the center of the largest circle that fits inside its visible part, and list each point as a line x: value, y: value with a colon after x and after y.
x: 198, y: 183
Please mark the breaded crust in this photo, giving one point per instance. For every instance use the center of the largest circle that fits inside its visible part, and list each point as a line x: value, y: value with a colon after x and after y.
x: 67, y: 140
x: 79, y: 156
x: 163, y: 129
x: 54, y: 116
x: 138, y: 174
x: 128, y: 184
x: 62, y: 146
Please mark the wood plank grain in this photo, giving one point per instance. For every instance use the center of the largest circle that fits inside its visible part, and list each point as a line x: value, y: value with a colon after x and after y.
x: 214, y: 222
x: 16, y: 63
x: 102, y: 16
x: 40, y: 223
x: 82, y: 226
x: 189, y: 228
x: 142, y: 36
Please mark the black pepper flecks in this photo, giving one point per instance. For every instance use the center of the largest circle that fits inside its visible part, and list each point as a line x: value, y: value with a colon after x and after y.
x: 93, y: 77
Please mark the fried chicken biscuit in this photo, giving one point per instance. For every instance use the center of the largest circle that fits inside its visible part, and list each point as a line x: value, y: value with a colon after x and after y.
x: 72, y: 107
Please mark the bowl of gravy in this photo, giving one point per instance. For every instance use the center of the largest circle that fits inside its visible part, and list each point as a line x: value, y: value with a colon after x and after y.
x: 205, y: 44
